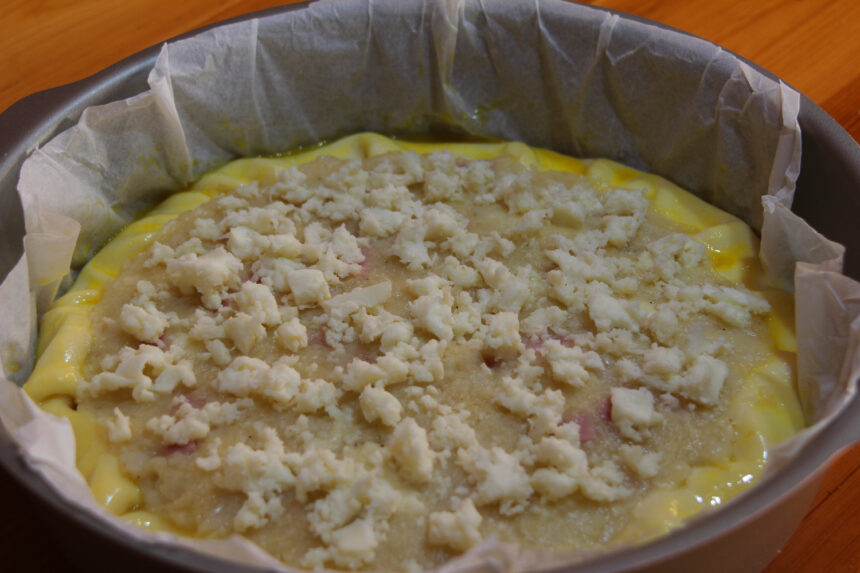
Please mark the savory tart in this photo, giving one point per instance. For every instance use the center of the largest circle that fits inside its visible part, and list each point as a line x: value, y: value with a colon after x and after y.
x: 377, y: 354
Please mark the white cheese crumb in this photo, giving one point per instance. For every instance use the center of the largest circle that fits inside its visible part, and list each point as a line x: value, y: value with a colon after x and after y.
x: 543, y: 411
x: 388, y: 369
x: 529, y: 223
x: 378, y: 404
x: 734, y: 306
x: 379, y: 222
x: 145, y: 322
x: 460, y: 274
x: 608, y: 313
x: 191, y: 424
x: 662, y: 361
x: 388, y: 328
x: 411, y: 451
x: 605, y: 483
x: 441, y: 222
x: 354, y: 545
x: 503, y: 333
x: 456, y: 530
x: 345, y: 246
x: 258, y: 301
x: 571, y: 365
x: 543, y: 319
x: 211, y: 461
x: 497, y: 476
x: 703, y: 381
x: 567, y: 468
x: 366, y: 297
x: 206, y: 229
x: 410, y: 246
x: 247, y: 376
x: 633, y: 412
x: 206, y: 274
x: 257, y: 511
x: 119, y: 427
x: 315, y: 395
x: 308, y: 286
x: 219, y: 352
x: 293, y: 335
x: 245, y: 331
x: 134, y: 368
x: 450, y: 432
x: 643, y: 463
x: 664, y: 325
x: 433, y: 313
x: 246, y: 243
x: 319, y: 469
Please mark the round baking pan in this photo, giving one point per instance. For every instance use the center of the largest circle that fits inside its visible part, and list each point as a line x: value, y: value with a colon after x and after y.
x: 742, y: 536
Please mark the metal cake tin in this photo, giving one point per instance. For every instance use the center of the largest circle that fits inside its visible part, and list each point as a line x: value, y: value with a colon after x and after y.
x: 744, y: 535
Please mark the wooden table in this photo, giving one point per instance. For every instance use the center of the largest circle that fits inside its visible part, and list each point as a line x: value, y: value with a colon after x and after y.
x: 811, y: 44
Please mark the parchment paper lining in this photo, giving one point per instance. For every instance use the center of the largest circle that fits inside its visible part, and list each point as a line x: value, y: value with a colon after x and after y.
x: 551, y: 74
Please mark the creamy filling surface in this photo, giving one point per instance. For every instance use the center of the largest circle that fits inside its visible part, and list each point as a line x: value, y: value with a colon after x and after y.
x: 377, y: 354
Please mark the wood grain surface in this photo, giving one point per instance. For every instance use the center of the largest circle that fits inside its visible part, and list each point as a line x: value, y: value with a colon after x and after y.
x: 814, y: 45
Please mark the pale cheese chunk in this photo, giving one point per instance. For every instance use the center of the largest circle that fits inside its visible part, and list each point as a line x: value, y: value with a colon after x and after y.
x: 633, y: 411
x: 292, y: 334
x: 503, y: 333
x: 704, y: 380
x: 377, y: 404
x: 144, y: 322
x: 498, y: 477
x: 119, y: 428
x: 571, y: 365
x: 207, y: 274
x: 411, y: 451
x: 457, y: 530
x: 308, y: 286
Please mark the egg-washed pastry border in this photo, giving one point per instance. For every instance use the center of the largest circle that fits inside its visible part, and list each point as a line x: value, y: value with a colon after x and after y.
x: 767, y: 410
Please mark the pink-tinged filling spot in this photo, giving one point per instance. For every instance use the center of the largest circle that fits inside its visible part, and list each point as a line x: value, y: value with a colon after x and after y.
x: 249, y: 278
x: 492, y: 360
x: 365, y: 264
x: 196, y: 400
x: 539, y: 343
x: 184, y: 449
x: 317, y: 339
x: 367, y: 354
x: 585, y: 421
x: 671, y: 405
x: 164, y: 341
x: 604, y: 408
x: 600, y: 412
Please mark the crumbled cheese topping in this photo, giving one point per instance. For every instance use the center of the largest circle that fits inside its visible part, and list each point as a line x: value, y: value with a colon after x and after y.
x: 135, y: 368
x: 411, y: 451
x: 498, y: 476
x: 458, y: 529
x: 633, y: 411
x: 357, y: 300
x: 119, y: 428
